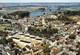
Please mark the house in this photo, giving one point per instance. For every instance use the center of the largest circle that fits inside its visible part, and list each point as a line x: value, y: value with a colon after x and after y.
x: 78, y: 23
x: 65, y: 48
x: 7, y: 47
x: 1, y: 46
x: 10, y: 53
x: 78, y: 38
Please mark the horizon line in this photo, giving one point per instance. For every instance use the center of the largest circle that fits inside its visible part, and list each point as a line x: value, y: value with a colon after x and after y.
x: 39, y: 2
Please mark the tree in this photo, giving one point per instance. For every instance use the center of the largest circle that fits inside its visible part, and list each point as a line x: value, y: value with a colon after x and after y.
x: 16, y: 51
x: 64, y: 53
x: 46, y: 32
x: 24, y: 49
x: 46, y: 50
x: 55, y: 30
x: 72, y: 36
x: 3, y: 33
x: 4, y: 16
x: 9, y: 40
x: 67, y: 22
x: 3, y: 40
x: 78, y: 51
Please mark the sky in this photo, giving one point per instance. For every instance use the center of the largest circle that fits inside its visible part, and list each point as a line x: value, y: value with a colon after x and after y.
x: 27, y: 1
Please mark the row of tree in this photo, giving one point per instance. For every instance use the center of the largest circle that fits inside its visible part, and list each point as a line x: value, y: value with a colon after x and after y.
x: 72, y: 13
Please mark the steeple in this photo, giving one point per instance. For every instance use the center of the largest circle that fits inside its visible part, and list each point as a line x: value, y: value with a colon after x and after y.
x: 43, y: 20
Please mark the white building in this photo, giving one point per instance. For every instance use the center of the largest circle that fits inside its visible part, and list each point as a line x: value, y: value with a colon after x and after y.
x: 43, y: 21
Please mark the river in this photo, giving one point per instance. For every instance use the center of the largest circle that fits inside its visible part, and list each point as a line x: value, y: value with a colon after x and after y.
x: 38, y: 13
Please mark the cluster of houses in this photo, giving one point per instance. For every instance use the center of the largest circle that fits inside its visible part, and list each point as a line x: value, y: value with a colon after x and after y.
x: 59, y: 43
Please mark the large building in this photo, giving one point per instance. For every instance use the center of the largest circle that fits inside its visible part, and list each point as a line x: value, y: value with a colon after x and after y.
x: 27, y: 41
x: 43, y: 21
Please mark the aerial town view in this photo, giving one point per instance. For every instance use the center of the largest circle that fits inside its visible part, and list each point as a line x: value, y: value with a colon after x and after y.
x: 36, y: 27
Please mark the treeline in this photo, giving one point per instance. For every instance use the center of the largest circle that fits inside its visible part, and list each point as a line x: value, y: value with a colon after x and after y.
x: 66, y: 18
x: 21, y: 13
x: 46, y: 32
x: 72, y: 13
